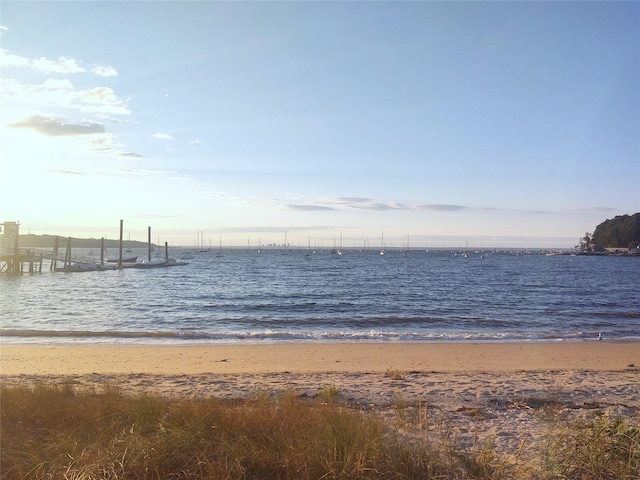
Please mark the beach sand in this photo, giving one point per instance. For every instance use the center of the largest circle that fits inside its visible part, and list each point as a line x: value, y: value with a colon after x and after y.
x: 302, y: 358
x: 503, y: 392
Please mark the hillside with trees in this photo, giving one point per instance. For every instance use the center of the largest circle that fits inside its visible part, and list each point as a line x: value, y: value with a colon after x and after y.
x: 621, y: 231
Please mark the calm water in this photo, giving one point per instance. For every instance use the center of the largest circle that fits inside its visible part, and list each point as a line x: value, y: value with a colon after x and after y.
x: 250, y: 297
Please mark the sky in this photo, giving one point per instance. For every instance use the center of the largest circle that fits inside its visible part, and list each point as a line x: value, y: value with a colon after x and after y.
x: 438, y: 124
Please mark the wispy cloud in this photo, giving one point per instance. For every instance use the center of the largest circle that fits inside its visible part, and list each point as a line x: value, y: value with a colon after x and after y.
x: 55, y: 127
x: 67, y: 172
x: 104, y: 71
x: 308, y: 208
x: 362, y: 203
x: 145, y: 172
x: 130, y: 155
x: 61, y: 65
x: 442, y: 207
x: 348, y: 200
x: 162, y: 136
x: 61, y: 93
x: 378, y: 206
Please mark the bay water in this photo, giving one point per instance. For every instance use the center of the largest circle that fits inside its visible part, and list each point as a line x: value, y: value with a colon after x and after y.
x: 243, y: 296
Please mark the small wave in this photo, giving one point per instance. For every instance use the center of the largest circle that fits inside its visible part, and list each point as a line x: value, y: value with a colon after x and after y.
x: 268, y: 335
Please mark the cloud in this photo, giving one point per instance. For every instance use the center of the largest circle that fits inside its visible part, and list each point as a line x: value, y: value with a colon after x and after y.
x: 162, y: 136
x: 144, y: 172
x: 54, y: 126
x: 308, y: 208
x: 104, y: 71
x: 442, y: 207
x: 67, y: 172
x: 349, y: 200
x: 131, y: 155
x: 362, y: 203
x: 61, y: 93
x: 62, y: 65
x: 99, y: 96
x: 380, y: 207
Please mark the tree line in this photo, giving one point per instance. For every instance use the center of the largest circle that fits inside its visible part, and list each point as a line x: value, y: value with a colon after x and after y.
x: 620, y: 231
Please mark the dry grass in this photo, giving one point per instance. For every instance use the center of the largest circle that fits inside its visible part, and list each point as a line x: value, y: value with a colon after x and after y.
x: 63, y: 433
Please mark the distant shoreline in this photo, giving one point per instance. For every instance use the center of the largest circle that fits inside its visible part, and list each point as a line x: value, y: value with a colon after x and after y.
x: 46, y: 241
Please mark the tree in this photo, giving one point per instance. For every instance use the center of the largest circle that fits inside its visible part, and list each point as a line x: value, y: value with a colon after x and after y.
x: 620, y: 231
x: 585, y: 241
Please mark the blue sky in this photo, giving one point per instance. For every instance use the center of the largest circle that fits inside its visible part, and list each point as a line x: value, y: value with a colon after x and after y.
x: 487, y: 123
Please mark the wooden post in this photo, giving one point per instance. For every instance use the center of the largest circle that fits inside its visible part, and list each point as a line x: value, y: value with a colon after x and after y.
x: 54, y: 260
x: 17, y: 264
x: 120, y: 247
x: 67, y: 257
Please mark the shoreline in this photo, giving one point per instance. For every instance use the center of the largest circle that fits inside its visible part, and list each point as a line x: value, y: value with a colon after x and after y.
x: 363, y: 357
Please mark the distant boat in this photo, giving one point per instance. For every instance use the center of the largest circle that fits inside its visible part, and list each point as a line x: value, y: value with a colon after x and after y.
x: 286, y: 248
x: 79, y: 267
x: 125, y: 259
x: 159, y: 263
x: 152, y: 264
x: 382, y: 245
x: 203, y: 248
x: 219, y: 252
x: 309, y: 248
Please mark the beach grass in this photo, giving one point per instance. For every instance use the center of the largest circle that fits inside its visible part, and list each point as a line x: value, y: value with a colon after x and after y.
x: 64, y: 432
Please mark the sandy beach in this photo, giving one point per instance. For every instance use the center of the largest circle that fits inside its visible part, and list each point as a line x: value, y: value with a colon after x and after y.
x: 493, y: 390
x: 304, y: 358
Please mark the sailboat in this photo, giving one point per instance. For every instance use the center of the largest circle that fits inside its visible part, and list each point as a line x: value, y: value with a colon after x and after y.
x: 406, y: 250
x: 202, y: 245
x: 219, y: 252
x: 309, y: 247
x: 382, y: 245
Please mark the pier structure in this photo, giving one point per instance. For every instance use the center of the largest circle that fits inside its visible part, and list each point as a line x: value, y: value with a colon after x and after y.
x: 13, y: 259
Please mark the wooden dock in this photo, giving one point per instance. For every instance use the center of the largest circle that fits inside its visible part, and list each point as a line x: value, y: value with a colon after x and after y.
x: 21, y: 261
x: 14, y: 260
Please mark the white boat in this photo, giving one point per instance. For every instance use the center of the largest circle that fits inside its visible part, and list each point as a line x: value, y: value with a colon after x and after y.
x: 161, y: 262
x: 125, y: 259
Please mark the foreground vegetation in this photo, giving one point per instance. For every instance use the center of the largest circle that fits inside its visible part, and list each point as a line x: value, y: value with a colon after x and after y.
x: 60, y: 432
